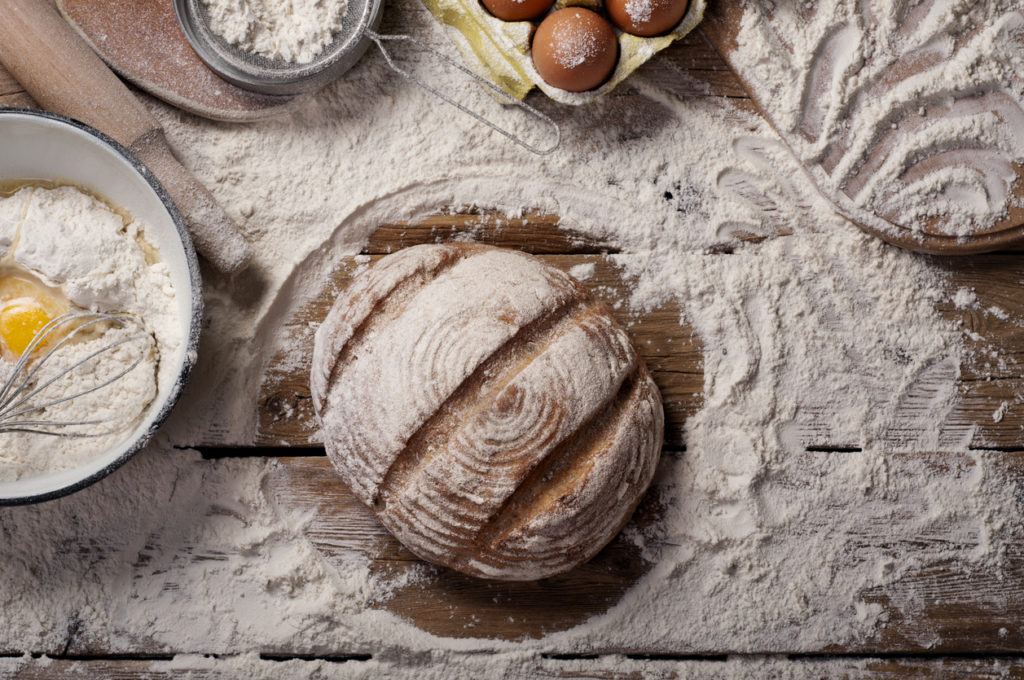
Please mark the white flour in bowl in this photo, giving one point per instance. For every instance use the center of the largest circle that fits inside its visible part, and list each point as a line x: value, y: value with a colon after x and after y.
x: 78, y: 247
x: 290, y: 30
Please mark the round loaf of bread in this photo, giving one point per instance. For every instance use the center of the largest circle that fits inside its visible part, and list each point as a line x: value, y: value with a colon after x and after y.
x: 493, y: 414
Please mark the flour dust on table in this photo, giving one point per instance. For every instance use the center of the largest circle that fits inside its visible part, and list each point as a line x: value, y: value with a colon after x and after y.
x: 799, y: 495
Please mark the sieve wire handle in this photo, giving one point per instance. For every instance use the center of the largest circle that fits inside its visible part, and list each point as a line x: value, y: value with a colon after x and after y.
x: 544, y: 118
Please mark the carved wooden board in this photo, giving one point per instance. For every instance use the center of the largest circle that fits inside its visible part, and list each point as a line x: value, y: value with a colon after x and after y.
x: 844, y: 163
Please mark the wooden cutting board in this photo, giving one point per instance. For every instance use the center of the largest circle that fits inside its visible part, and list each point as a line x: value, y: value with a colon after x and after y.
x: 722, y: 27
x: 142, y: 41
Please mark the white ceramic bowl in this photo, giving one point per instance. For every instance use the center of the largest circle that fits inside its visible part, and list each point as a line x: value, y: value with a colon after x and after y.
x: 38, y: 145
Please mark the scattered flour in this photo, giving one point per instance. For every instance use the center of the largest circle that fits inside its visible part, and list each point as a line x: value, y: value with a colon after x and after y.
x: 582, y: 272
x: 965, y: 298
x: 800, y: 517
x: 574, y: 43
x: 74, y: 244
x: 290, y: 30
x: 640, y: 11
x: 998, y: 312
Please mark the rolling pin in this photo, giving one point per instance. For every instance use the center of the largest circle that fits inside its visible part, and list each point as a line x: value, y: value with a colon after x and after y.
x: 61, y: 72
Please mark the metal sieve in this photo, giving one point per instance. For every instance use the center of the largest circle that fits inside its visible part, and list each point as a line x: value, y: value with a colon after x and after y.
x: 359, y: 28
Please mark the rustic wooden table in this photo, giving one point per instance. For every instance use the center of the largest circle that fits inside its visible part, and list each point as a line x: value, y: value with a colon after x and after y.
x: 976, y: 616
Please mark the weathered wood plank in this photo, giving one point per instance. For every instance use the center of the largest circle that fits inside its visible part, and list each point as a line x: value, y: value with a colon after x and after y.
x: 534, y: 232
x: 692, y: 67
x: 18, y: 100
x: 949, y: 604
x: 957, y: 608
x: 997, y: 318
x: 694, y: 52
x: 990, y: 412
x: 8, y: 85
x: 474, y: 666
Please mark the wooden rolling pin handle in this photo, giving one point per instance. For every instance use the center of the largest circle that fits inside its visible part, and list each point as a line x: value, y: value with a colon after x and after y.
x: 218, y: 240
x: 64, y: 75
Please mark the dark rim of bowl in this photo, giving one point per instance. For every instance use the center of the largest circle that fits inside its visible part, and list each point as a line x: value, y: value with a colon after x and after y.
x: 195, y: 281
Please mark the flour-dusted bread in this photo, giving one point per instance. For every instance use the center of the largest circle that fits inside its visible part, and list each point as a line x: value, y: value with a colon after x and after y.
x: 487, y: 408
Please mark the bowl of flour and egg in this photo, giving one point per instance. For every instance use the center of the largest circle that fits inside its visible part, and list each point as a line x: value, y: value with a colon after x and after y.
x: 84, y: 227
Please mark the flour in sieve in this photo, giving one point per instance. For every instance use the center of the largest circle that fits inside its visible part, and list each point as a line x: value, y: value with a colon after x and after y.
x: 290, y: 30
x: 77, y: 244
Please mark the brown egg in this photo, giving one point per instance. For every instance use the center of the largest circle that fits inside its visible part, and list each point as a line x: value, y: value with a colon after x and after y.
x: 517, y: 10
x: 646, y: 17
x: 574, y: 49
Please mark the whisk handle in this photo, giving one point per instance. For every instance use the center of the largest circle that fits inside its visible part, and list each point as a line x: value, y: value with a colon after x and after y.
x: 379, y: 40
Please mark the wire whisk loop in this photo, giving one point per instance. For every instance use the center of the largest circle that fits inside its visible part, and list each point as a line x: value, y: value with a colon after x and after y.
x: 24, y: 398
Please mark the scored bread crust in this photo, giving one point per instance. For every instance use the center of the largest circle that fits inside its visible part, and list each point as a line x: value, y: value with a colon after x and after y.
x: 493, y: 415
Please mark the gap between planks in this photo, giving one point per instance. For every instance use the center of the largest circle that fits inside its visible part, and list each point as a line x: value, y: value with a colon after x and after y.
x: 548, y: 667
x: 552, y: 656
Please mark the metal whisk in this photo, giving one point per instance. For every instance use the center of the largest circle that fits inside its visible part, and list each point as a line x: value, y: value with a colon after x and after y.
x: 23, y: 396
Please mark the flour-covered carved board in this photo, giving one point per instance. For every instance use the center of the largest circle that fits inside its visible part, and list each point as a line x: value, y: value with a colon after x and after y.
x: 907, y: 115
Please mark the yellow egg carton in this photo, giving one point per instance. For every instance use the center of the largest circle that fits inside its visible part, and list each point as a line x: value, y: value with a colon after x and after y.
x: 499, y: 51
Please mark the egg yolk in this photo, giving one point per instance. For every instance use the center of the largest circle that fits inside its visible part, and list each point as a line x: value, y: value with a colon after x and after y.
x: 25, y: 308
x: 20, y: 322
